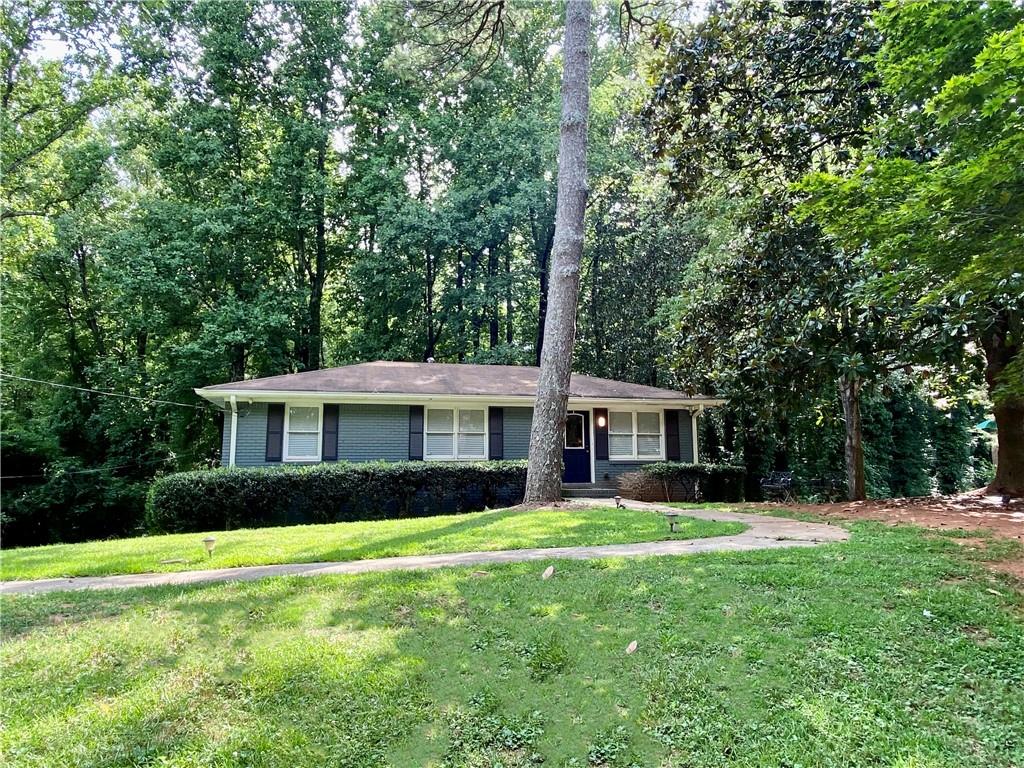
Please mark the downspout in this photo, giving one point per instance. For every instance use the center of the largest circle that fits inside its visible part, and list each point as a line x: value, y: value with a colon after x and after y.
x: 234, y: 431
x: 693, y: 431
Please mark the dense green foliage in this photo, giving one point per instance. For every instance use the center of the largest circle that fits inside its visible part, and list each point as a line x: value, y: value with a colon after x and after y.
x: 934, y: 208
x: 913, y: 445
x: 704, y: 482
x: 467, y: 532
x: 222, y: 499
x: 892, y: 649
x: 207, y: 190
x: 773, y: 312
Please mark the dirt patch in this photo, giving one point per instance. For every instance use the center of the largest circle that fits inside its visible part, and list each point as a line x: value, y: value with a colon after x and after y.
x: 967, y: 512
x: 1013, y: 567
x: 564, y: 504
x: 973, y: 543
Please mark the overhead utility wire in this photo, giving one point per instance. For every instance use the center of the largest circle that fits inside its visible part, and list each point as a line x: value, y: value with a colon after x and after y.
x: 99, y: 469
x: 112, y: 394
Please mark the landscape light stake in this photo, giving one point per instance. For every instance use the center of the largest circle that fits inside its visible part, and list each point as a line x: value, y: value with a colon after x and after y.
x: 209, y: 542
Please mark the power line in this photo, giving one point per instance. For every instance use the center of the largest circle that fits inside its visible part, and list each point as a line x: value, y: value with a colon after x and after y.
x: 99, y: 469
x: 112, y: 394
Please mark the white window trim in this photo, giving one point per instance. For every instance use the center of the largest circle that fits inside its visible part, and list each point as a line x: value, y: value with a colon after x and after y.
x: 456, y: 456
x: 286, y: 449
x: 633, y: 422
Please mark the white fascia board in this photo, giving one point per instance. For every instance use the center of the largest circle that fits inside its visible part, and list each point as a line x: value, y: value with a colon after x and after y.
x: 272, y: 396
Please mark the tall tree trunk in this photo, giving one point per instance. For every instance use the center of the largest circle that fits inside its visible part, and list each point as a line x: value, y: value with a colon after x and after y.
x: 544, y: 472
x: 542, y: 303
x: 238, y: 355
x: 428, y: 303
x: 91, y: 315
x: 319, y: 276
x: 543, y: 241
x: 596, y: 329
x: 754, y: 455
x: 508, y: 297
x: 460, y: 326
x: 493, y: 297
x: 849, y: 393
x: 1000, y: 350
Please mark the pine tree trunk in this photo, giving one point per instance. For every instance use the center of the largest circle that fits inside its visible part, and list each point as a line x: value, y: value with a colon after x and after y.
x: 544, y: 473
x: 849, y: 393
x: 1000, y: 350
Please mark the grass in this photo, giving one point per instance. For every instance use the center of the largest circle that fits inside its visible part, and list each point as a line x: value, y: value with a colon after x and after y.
x: 892, y: 649
x: 501, y: 529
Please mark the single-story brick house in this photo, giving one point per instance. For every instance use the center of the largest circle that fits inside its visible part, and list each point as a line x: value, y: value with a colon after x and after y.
x: 395, y: 411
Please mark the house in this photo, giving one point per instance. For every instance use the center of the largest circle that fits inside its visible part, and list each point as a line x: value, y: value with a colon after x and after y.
x: 395, y: 411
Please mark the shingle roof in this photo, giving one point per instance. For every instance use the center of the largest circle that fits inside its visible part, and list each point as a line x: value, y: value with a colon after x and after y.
x: 396, y: 378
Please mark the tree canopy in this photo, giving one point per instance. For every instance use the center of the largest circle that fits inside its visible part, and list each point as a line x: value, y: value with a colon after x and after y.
x: 798, y: 206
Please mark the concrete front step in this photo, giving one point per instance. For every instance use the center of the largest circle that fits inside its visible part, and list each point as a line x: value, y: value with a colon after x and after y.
x: 587, y: 492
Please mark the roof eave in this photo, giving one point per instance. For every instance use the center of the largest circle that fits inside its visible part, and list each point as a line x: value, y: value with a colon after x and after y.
x: 215, y: 395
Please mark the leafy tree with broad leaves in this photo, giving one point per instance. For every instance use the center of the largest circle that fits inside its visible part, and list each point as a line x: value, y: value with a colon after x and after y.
x: 934, y: 210
x: 747, y: 101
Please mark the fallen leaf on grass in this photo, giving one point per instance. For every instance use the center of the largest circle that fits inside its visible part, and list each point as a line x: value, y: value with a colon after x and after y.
x: 631, y: 648
x: 548, y: 572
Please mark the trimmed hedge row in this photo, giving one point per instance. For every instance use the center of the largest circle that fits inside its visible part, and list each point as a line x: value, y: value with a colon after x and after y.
x: 222, y: 499
x: 676, y: 481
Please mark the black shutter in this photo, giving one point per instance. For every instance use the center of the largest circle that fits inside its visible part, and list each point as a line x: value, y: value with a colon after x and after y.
x: 415, y: 432
x: 672, y: 435
x: 600, y: 433
x: 496, y: 433
x: 275, y: 431
x: 330, y: 446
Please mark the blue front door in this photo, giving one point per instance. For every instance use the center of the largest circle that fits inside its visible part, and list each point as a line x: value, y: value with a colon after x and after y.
x: 576, y: 450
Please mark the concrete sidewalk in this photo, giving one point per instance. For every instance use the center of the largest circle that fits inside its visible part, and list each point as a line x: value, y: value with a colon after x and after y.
x: 763, y: 533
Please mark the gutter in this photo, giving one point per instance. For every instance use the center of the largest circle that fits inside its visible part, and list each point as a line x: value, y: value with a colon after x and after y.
x: 234, y: 430
x: 277, y: 396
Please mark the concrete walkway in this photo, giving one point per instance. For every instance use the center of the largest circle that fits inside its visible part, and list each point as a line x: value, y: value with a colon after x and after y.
x: 763, y: 533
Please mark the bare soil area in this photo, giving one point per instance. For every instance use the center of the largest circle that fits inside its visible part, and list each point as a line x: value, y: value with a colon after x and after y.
x: 972, y: 511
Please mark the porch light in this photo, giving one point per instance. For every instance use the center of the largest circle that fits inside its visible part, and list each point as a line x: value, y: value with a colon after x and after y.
x: 209, y: 542
x: 601, y: 421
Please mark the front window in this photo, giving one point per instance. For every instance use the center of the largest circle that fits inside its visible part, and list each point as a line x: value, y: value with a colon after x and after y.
x: 648, y: 435
x: 620, y: 434
x: 455, y: 433
x: 471, y: 434
x: 634, y: 435
x: 302, y: 436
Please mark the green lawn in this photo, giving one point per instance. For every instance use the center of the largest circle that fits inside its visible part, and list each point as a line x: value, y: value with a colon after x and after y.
x: 501, y: 529
x: 890, y: 650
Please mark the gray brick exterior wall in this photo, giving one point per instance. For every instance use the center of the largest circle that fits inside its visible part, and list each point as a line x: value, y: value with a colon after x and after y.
x: 373, y: 433
x: 251, y: 447
x: 381, y: 433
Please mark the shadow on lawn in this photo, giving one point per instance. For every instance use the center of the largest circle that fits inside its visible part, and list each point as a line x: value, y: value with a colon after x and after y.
x: 395, y: 544
x: 795, y: 655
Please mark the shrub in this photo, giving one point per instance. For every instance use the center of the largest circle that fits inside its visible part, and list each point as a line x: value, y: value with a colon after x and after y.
x: 675, y: 481
x: 222, y: 499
